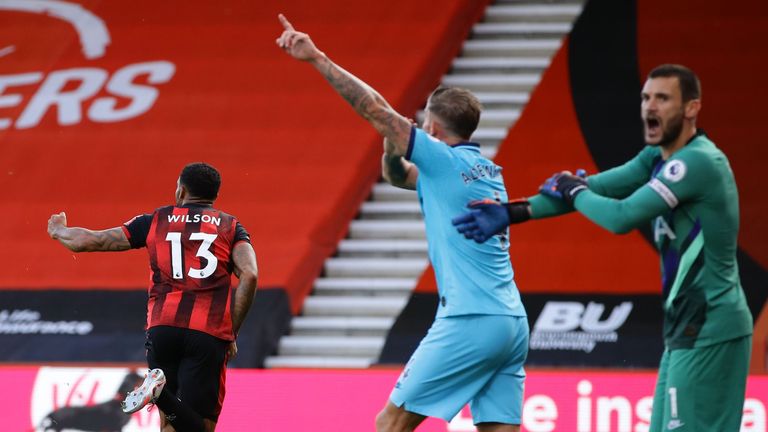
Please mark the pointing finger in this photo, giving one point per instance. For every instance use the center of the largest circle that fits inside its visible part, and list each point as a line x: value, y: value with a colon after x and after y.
x: 284, y: 21
x: 295, y: 38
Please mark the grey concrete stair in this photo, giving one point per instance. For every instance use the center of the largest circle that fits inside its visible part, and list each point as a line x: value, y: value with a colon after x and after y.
x: 386, y: 229
x: 499, y: 64
x: 532, y: 13
x: 386, y: 192
x: 496, y: 82
x: 368, y: 346
x: 360, y: 287
x: 508, y: 48
x: 390, y: 210
x: 383, y: 248
x: 489, y: 135
x: 374, y: 267
x: 502, y: 100
x: 515, y: 29
x: 342, y: 326
x: 498, y: 118
x: 353, y: 306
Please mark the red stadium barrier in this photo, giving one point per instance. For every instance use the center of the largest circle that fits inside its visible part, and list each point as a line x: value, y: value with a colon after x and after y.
x: 98, y: 120
x: 347, y: 401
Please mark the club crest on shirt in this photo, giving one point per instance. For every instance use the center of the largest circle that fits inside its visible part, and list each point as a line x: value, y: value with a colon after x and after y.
x: 674, y: 170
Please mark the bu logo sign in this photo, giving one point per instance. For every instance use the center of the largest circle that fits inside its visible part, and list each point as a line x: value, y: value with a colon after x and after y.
x: 569, y: 316
x: 572, y: 327
x: 68, y: 91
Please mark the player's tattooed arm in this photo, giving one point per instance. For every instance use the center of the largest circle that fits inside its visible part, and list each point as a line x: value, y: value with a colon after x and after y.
x: 364, y: 99
x: 247, y: 272
x: 369, y: 104
x: 396, y: 170
x: 85, y: 240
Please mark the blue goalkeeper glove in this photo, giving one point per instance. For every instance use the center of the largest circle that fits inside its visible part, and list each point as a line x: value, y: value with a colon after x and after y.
x: 487, y: 218
x: 565, y: 186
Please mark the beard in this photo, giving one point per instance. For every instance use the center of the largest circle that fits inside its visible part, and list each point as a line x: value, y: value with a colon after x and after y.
x: 671, y: 132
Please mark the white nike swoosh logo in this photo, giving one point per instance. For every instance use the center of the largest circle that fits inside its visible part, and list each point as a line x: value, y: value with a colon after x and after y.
x: 674, y: 426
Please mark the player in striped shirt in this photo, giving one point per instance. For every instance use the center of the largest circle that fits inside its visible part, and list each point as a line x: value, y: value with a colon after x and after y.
x: 192, y: 314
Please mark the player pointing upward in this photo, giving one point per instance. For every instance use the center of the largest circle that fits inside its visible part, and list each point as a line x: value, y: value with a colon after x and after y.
x: 475, y: 350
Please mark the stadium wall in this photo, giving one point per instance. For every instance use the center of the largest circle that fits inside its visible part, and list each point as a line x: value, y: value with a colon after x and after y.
x: 343, y: 401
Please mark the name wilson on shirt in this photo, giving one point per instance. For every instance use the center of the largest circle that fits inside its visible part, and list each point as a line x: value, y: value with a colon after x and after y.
x: 196, y: 218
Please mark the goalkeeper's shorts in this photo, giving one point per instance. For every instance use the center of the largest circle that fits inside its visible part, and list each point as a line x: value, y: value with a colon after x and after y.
x: 475, y: 359
x: 702, y: 389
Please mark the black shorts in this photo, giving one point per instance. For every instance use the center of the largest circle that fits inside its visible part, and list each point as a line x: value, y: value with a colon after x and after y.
x: 194, y: 364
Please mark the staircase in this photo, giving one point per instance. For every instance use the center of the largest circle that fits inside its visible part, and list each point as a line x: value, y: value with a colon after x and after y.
x: 365, y: 286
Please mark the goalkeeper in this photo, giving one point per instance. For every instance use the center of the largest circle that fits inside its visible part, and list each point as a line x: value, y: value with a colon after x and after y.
x: 683, y: 185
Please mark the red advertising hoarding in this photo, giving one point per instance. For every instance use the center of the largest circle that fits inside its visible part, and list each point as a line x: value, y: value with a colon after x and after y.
x: 342, y: 400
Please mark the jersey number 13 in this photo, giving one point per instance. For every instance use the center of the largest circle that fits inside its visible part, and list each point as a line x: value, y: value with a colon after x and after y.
x: 203, y: 252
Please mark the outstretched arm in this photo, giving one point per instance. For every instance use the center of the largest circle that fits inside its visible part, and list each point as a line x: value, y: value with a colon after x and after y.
x: 364, y: 99
x: 85, y: 240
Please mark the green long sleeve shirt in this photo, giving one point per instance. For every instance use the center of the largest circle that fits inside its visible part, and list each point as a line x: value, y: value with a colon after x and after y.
x: 692, y: 204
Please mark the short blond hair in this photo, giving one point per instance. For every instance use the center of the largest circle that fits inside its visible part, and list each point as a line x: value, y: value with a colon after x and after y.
x: 458, y: 108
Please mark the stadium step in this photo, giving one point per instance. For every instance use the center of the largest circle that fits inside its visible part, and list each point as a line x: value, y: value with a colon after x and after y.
x: 366, y: 306
x: 359, y: 287
x: 489, y: 135
x: 490, y: 117
x: 508, y: 48
x: 532, y: 13
x: 369, y: 280
x: 538, y: 2
x: 387, y: 229
x: 498, y: 30
x: 342, y: 326
x: 498, y: 118
x: 383, y: 248
x: 499, y: 64
x: 386, y: 192
x: 496, y: 82
x: 505, y: 100
x: 358, y: 346
x: 390, y: 210
x: 374, y: 267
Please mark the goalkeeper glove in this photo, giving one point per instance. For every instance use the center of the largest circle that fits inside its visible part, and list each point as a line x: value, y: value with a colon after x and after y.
x: 565, y: 186
x: 487, y: 218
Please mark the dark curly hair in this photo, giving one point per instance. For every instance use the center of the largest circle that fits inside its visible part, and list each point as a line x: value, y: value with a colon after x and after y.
x: 201, y: 180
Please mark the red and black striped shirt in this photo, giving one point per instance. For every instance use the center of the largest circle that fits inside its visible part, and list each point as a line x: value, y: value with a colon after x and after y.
x: 190, y: 258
